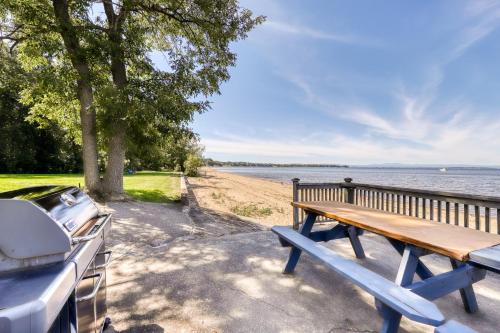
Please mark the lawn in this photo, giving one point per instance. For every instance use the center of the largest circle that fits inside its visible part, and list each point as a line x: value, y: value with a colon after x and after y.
x: 143, y: 186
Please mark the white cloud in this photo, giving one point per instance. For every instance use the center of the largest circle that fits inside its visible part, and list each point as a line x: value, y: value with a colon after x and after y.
x: 453, y: 142
x: 475, y: 33
x: 304, y: 31
x: 416, y: 132
x: 480, y: 7
x: 482, y: 18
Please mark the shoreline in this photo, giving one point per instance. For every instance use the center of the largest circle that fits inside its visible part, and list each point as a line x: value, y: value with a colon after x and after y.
x: 288, y: 182
x: 260, y: 200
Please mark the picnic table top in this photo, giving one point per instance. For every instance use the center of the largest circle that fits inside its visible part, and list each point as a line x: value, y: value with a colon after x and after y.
x: 449, y: 240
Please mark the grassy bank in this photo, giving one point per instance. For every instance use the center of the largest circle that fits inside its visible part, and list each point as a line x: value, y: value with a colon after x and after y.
x: 144, y: 186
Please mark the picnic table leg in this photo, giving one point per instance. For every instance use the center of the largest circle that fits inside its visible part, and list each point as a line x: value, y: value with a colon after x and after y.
x: 409, y: 264
x: 391, y: 318
x: 467, y: 294
x: 355, y: 242
x: 305, y: 230
x: 422, y: 271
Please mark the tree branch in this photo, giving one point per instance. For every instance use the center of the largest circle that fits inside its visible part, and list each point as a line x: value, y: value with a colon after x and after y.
x: 12, y: 32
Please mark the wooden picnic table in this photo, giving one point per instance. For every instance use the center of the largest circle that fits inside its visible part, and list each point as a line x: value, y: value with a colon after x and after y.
x: 471, y: 253
x: 446, y: 239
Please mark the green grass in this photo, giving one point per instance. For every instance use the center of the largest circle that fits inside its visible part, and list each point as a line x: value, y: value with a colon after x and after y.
x: 154, y: 186
x: 251, y: 210
x: 143, y: 186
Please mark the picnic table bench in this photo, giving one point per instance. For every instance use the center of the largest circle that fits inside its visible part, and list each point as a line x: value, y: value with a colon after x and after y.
x: 471, y: 253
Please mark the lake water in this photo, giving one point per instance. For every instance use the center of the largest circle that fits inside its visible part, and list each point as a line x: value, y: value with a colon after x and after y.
x: 463, y: 180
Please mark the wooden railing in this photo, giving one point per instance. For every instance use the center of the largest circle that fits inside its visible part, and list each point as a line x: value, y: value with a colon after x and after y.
x: 469, y: 211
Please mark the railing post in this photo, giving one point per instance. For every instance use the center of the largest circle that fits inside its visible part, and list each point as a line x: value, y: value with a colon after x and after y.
x: 350, y: 190
x: 295, y: 198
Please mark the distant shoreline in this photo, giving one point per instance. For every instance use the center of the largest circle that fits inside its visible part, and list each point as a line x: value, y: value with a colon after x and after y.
x: 212, y: 163
x: 402, y: 167
x: 209, y: 162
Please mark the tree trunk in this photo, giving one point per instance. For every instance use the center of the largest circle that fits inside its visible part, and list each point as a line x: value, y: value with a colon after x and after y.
x: 85, y: 95
x: 89, y: 140
x: 113, y: 178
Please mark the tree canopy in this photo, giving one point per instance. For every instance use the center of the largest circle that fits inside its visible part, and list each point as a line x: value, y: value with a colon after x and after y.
x: 25, y: 147
x: 90, y: 71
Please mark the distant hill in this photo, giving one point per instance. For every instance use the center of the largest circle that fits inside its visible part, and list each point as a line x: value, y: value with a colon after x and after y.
x: 212, y: 163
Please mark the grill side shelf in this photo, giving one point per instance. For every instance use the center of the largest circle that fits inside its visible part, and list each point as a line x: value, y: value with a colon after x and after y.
x: 32, y: 300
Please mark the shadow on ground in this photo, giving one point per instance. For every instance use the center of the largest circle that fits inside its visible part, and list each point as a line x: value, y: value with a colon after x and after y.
x: 212, y: 272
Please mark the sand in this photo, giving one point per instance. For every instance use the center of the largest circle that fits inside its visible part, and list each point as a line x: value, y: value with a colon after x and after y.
x: 261, y: 201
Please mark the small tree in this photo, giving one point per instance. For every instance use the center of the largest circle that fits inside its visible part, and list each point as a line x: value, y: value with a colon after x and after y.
x: 193, y: 162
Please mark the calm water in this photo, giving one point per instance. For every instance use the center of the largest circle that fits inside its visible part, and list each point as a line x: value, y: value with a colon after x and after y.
x: 473, y: 181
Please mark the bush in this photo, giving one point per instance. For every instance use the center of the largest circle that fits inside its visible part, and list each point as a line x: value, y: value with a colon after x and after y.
x: 193, y: 162
x: 251, y: 210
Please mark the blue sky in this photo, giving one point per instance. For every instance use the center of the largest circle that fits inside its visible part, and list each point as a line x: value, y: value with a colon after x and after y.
x: 362, y: 82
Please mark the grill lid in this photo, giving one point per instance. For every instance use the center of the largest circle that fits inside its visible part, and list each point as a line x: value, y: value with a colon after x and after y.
x: 39, y: 221
x: 33, y: 193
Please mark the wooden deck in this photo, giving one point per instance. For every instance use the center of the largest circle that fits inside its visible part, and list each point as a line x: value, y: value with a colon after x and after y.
x: 449, y: 240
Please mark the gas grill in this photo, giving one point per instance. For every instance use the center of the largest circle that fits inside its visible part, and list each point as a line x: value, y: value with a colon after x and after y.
x: 52, y: 261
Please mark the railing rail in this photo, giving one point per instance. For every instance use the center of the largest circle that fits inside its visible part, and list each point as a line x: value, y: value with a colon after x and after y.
x: 465, y: 210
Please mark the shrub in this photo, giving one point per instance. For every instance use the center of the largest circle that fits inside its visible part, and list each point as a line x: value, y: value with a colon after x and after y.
x: 191, y: 165
x: 251, y: 210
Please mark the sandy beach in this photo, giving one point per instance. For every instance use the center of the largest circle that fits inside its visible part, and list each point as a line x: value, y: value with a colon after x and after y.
x: 259, y: 200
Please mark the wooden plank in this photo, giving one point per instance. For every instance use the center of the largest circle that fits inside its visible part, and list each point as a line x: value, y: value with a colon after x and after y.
x: 431, y: 209
x: 488, y: 257
x: 424, y: 208
x: 396, y: 297
x: 460, y: 198
x: 467, y: 293
x: 498, y: 221
x: 487, y: 219
x: 477, y: 214
x: 316, y: 185
x: 452, y: 241
x: 466, y: 216
x: 417, y: 206
x: 443, y: 284
x: 398, y: 204
x: 447, y: 212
